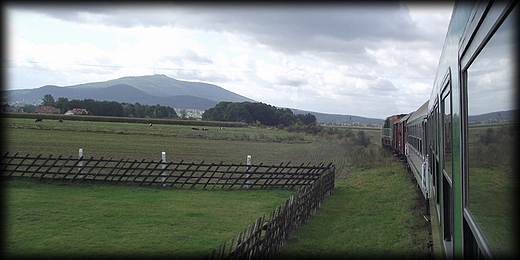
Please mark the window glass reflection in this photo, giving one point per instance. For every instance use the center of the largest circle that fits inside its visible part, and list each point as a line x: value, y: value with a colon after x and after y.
x: 447, y: 135
x: 491, y: 139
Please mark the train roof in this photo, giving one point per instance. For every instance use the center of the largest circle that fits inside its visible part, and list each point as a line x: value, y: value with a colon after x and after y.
x: 395, y: 117
x: 422, y: 111
x: 404, y: 118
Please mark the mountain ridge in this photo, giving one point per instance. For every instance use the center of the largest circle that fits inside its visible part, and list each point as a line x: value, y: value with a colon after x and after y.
x: 158, y: 89
x: 161, y: 85
x: 149, y: 90
x: 342, y: 119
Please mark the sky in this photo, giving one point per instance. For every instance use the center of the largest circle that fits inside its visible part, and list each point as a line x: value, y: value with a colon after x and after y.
x: 370, y: 60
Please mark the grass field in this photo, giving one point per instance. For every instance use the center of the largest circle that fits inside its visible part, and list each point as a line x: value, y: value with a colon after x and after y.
x: 139, y: 141
x: 373, y: 210
x: 107, y: 221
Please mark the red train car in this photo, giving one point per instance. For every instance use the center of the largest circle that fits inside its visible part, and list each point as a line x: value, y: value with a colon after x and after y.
x: 399, y: 136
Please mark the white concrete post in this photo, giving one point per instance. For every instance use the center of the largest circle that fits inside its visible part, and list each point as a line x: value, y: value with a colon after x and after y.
x: 163, y: 166
x: 80, y: 163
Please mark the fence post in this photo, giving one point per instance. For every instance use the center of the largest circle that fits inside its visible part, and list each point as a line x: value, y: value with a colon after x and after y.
x: 80, y: 163
x: 248, y: 162
x: 163, y: 166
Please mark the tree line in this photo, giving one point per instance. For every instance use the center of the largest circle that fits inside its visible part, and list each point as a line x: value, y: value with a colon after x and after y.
x: 111, y: 108
x: 247, y: 112
x: 256, y: 113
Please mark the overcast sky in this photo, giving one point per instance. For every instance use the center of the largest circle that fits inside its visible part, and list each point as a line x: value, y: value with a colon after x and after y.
x: 370, y: 60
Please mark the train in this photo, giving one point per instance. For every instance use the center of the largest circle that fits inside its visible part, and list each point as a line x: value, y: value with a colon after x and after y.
x: 460, y: 144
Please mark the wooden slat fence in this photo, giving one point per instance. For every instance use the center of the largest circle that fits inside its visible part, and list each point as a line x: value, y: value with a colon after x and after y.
x: 266, y: 236
x: 151, y: 173
x: 260, y: 240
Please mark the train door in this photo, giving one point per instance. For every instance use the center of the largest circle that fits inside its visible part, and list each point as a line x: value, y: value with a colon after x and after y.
x: 446, y: 173
x: 423, y: 146
x: 434, y: 158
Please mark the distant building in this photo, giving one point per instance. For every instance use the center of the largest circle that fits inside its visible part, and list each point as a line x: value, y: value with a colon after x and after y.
x: 77, y: 111
x: 47, y: 110
x: 12, y: 109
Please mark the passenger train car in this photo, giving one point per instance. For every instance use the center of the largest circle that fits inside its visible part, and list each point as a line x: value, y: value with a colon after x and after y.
x: 460, y: 145
x: 415, y: 147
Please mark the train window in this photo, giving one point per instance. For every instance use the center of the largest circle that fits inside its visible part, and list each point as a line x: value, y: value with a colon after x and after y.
x: 445, y: 142
x: 446, y: 114
x: 491, y: 133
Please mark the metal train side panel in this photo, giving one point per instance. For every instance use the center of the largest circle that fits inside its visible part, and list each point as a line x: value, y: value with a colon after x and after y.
x: 474, y: 79
x: 415, y: 147
x: 489, y: 86
x: 446, y: 184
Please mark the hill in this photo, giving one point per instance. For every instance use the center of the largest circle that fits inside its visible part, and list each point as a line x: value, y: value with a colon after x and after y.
x: 162, y: 90
x: 342, y: 119
x: 493, y: 117
x: 149, y: 90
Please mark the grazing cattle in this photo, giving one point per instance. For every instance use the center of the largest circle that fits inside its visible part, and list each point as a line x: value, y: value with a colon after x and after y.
x: 61, y: 120
x: 204, y: 129
x: 150, y: 124
x: 38, y: 120
x: 194, y: 128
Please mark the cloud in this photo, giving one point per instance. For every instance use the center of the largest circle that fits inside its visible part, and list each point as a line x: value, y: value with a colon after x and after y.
x: 287, y: 28
x: 384, y: 85
x: 335, y: 58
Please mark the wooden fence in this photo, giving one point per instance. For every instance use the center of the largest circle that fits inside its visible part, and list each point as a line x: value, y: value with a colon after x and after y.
x: 151, y: 173
x: 260, y: 240
x: 266, y: 236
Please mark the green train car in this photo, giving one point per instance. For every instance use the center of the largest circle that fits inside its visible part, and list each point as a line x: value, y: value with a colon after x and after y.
x: 461, y: 145
x: 473, y: 180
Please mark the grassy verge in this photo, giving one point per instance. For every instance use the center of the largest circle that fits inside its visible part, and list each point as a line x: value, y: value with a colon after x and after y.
x: 105, y: 221
x: 372, y: 213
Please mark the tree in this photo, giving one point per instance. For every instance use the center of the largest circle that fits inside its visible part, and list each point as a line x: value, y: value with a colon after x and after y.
x: 48, y: 100
x: 184, y: 114
x: 29, y: 108
x: 307, y: 119
x: 236, y: 112
x: 362, y: 139
x: 128, y: 110
x: 61, y: 103
x: 256, y: 112
x: 139, y: 110
x: 287, y: 119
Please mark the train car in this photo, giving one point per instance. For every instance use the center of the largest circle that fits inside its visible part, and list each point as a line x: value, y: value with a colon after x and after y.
x: 387, y: 140
x: 460, y: 144
x: 472, y: 129
x: 399, y: 136
x: 415, y: 148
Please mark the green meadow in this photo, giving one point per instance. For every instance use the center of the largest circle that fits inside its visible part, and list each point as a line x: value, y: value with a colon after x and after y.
x: 374, y: 210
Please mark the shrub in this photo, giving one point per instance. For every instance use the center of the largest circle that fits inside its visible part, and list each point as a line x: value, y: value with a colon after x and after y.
x: 362, y: 139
